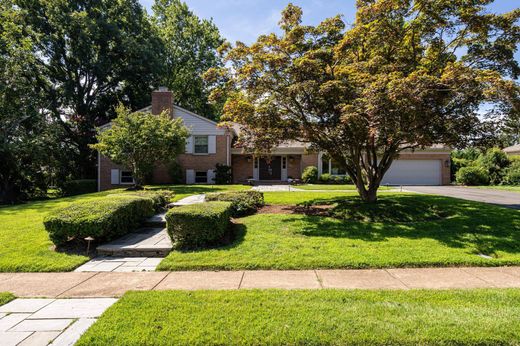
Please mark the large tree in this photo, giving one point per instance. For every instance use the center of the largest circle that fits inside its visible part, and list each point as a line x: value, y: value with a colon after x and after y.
x: 408, y: 74
x: 91, y: 54
x: 31, y: 145
x: 190, y: 50
x: 139, y: 141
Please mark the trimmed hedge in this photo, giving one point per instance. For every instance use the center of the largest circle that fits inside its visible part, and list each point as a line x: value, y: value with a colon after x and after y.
x: 104, y: 219
x: 199, y: 225
x: 159, y: 198
x: 79, y: 187
x: 242, y: 202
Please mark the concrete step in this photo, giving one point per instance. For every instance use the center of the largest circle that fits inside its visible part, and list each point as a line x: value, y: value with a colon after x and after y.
x: 145, y: 242
x: 156, y: 221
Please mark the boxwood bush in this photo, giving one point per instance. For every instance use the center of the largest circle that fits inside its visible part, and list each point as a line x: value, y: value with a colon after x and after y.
x: 242, y: 202
x: 199, y: 225
x: 310, y: 174
x: 104, y: 219
x: 472, y: 175
x: 159, y: 198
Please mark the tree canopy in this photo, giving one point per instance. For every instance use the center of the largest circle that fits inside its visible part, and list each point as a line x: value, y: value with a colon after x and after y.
x: 190, y: 49
x: 140, y: 140
x: 408, y: 74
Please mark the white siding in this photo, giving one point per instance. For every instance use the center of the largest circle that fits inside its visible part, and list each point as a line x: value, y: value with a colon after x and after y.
x: 197, y: 124
x: 114, y: 176
x: 190, y: 176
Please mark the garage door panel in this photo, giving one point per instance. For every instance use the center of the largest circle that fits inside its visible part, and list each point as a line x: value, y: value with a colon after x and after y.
x: 414, y: 172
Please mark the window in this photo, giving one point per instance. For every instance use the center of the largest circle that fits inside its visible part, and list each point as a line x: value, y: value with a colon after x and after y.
x: 284, y: 162
x: 256, y: 162
x: 201, y: 145
x: 126, y: 177
x: 201, y: 177
x: 336, y: 168
x: 325, y: 164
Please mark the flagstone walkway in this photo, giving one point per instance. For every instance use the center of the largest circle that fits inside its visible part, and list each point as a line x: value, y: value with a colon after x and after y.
x: 115, y: 284
x: 38, y: 322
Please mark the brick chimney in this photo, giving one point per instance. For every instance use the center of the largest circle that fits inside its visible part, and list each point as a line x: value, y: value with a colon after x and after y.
x: 162, y: 99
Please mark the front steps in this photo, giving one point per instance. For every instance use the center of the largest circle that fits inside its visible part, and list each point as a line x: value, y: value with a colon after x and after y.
x: 150, y: 241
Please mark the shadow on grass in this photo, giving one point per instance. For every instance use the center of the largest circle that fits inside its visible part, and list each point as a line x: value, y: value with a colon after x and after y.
x: 453, y: 222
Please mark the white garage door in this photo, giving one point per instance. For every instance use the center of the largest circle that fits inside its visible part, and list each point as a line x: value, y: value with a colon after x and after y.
x: 414, y: 172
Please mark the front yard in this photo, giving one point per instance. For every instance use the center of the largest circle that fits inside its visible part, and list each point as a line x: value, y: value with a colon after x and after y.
x: 25, y: 245
x: 404, y: 230
x: 329, y: 317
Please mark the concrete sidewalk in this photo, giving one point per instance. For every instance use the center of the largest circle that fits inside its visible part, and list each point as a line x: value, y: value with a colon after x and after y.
x: 112, y: 284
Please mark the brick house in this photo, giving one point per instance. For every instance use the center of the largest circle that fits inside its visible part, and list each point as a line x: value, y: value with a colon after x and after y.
x: 210, y: 144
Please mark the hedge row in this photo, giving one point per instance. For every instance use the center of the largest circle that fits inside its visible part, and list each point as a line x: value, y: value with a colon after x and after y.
x: 242, y: 202
x: 104, y: 219
x: 79, y: 187
x: 199, y: 225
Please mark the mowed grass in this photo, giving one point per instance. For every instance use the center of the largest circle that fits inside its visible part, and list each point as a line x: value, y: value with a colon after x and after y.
x: 5, y: 297
x: 451, y: 232
x: 331, y: 187
x: 498, y: 187
x: 25, y: 245
x: 306, y: 317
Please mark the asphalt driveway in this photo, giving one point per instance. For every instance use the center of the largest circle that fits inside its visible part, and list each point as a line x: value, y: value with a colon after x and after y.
x: 503, y: 198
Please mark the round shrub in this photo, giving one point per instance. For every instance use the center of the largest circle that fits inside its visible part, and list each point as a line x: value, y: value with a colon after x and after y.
x: 175, y: 172
x: 310, y: 175
x: 223, y: 174
x: 325, y: 178
x: 472, y: 175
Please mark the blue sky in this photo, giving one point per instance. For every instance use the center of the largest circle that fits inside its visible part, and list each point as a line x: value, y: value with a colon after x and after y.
x: 245, y: 20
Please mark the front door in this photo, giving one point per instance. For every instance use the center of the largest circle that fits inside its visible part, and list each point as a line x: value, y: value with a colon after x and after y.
x: 271, y: 169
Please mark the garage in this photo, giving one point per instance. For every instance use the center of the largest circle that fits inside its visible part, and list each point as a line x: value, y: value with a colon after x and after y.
x: 414, y: 172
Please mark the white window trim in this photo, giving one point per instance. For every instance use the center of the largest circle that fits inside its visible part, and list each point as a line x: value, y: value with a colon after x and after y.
x: 121, y: 176
x: 193, y: 143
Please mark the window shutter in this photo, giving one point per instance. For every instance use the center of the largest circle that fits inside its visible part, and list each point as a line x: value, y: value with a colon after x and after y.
x: 211, y: 176
x: 189, y: 145
x: 212, y: 144
x: 190, y: 176
x: 114, y: 176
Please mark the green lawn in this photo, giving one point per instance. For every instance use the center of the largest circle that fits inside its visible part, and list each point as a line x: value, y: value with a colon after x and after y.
x: 306, y: 317
x: 404, y: 230
x: 5, y: 297
x: 498, y: 187
x: 25, y: 245
x: 331, y: 187
x: 295, y: 197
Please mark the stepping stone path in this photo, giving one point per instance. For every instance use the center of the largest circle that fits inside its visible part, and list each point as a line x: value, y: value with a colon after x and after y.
x: 32, y: 322
x: 138, y: 251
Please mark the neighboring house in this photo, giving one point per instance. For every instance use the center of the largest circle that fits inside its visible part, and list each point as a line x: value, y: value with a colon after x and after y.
x: 513, y: 150
x: 210, y: 144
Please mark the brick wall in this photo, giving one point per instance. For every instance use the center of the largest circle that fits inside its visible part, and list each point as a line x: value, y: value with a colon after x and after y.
x: 242, y: 169
x: 294, y: 166
x: 310, y: 159
x: 160, y: 173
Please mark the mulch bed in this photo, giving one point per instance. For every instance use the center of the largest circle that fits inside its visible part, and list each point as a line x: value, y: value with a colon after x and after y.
x: 319, y: 210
